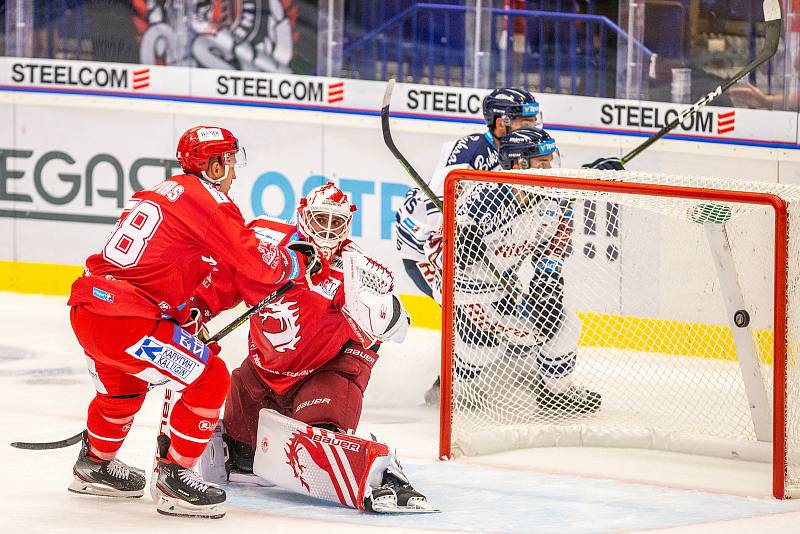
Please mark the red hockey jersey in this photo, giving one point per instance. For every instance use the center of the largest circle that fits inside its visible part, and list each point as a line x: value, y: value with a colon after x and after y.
x: 301, y: 330
x: 166, y: 242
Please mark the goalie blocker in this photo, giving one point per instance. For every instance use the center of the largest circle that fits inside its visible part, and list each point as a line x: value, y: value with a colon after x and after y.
x: 322, y: 464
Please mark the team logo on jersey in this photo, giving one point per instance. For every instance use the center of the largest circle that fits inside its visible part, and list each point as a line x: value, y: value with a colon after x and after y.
x: 280, y: 325
x: 269, y: 253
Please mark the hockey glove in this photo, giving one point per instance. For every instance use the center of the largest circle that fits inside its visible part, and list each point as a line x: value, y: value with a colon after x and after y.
x: 471, y: 246
x: 313, y: 260
x: 195, y: 325
x: 605, y: 164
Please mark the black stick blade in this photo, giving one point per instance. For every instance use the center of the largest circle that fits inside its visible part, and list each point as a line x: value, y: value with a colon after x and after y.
x: 43, y: 446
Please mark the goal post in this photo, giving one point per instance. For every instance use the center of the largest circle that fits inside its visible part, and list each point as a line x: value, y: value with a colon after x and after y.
x: 683, y: 301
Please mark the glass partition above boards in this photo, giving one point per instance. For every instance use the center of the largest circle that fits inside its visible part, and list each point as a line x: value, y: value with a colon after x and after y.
x: 662, y: 50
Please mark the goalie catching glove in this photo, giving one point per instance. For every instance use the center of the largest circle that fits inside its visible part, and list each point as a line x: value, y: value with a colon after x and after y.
x: 372, y: 310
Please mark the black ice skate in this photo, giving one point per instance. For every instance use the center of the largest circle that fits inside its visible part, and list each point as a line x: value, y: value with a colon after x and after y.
x: 107, y: 478
x: 182, y: 492
x: 572, y: 400
x: 239, y: 463
x: 395, y: 495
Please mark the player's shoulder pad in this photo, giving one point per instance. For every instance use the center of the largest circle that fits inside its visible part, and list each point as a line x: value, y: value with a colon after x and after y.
x: 475, y: 151
x: 463, y: 151
x: 195, y: 186
x: 272, y: 229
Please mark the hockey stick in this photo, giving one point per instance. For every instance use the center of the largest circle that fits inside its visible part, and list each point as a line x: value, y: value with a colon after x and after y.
x: 772, y: 35
x: 423, y: 185
x: 387, y: 138
x: 72, y: 440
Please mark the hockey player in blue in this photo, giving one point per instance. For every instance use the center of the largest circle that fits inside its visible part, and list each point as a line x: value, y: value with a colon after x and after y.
x: 504, y: 110
x: 529, y: 331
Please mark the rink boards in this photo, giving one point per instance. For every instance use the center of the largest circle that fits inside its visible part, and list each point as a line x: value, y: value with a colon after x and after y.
x: 76, y: 141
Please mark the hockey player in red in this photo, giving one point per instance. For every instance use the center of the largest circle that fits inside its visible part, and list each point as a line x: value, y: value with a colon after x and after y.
x: 311, y: 353
x: 126, y: 312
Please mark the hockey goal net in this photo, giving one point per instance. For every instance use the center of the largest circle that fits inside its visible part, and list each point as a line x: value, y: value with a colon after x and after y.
x: 622, y: 309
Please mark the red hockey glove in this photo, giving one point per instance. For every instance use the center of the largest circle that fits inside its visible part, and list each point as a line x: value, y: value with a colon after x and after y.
x: 310, y: 254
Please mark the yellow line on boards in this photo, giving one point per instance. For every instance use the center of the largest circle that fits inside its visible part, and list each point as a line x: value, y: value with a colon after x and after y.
x: 604, y: 330
x: 38, y: 278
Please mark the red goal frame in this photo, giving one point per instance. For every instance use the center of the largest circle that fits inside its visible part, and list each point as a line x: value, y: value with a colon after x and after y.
x: 779, y: 467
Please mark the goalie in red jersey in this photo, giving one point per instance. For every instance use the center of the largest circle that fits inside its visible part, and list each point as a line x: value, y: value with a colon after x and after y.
x: 296, y: 399
x: 126, y: 312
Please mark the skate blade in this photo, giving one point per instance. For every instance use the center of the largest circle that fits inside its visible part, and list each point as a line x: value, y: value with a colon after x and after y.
x: 101, y: 490
x: 404, y: 510
x: 249, y: 479
x: 390, y: 506
x: 180, y: 508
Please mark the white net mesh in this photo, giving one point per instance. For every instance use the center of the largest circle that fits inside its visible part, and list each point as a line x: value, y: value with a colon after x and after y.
x: 614, y: 319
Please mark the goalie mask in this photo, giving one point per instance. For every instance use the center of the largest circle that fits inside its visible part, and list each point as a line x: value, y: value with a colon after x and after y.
x: 199, y: 145
x: 324, y: 218
x: 511, y: 104
x: 529, y: 148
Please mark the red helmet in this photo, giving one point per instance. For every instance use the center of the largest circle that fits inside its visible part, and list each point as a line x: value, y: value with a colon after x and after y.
x: 197, y: 145
x: 324, y: 217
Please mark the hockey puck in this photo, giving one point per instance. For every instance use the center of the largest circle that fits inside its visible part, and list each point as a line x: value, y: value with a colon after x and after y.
x: 741, y: 318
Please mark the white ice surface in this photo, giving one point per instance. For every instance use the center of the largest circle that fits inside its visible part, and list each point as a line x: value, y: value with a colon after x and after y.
x: 45, y: 390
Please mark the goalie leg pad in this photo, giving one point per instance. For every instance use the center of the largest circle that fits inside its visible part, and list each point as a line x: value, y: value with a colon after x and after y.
x: 335, y: 467
x: 315, y: 462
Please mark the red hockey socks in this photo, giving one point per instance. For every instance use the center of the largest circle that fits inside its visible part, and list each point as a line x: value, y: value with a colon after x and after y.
x: 109, y: 420
x: 195, y: 415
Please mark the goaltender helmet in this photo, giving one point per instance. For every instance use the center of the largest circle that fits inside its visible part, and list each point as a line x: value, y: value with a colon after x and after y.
x: 510, y: 104
x: 324, y: 218
x: 201, y: 143
x: 531, y: 148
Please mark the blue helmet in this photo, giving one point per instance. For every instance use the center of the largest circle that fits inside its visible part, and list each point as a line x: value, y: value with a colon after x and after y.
x: 510, y: 104
x: 524, y: 144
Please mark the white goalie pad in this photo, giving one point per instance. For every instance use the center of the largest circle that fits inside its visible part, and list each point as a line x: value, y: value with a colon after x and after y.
x: 319, y: 463
x: 375, y: 312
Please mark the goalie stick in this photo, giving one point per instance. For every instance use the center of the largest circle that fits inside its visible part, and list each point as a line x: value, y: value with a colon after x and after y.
x: 168, y: 394
x: 772, y: 36
x: 509, y: 287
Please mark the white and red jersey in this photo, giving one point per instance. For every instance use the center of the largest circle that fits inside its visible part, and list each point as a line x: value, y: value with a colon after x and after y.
x: 299, y: 332
x: 166, y: 242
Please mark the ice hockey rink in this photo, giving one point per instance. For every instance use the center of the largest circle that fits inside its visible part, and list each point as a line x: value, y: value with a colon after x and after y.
x: 45, y: 390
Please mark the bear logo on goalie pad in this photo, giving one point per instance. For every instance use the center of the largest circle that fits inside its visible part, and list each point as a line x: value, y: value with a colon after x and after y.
x: 312, y: 461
